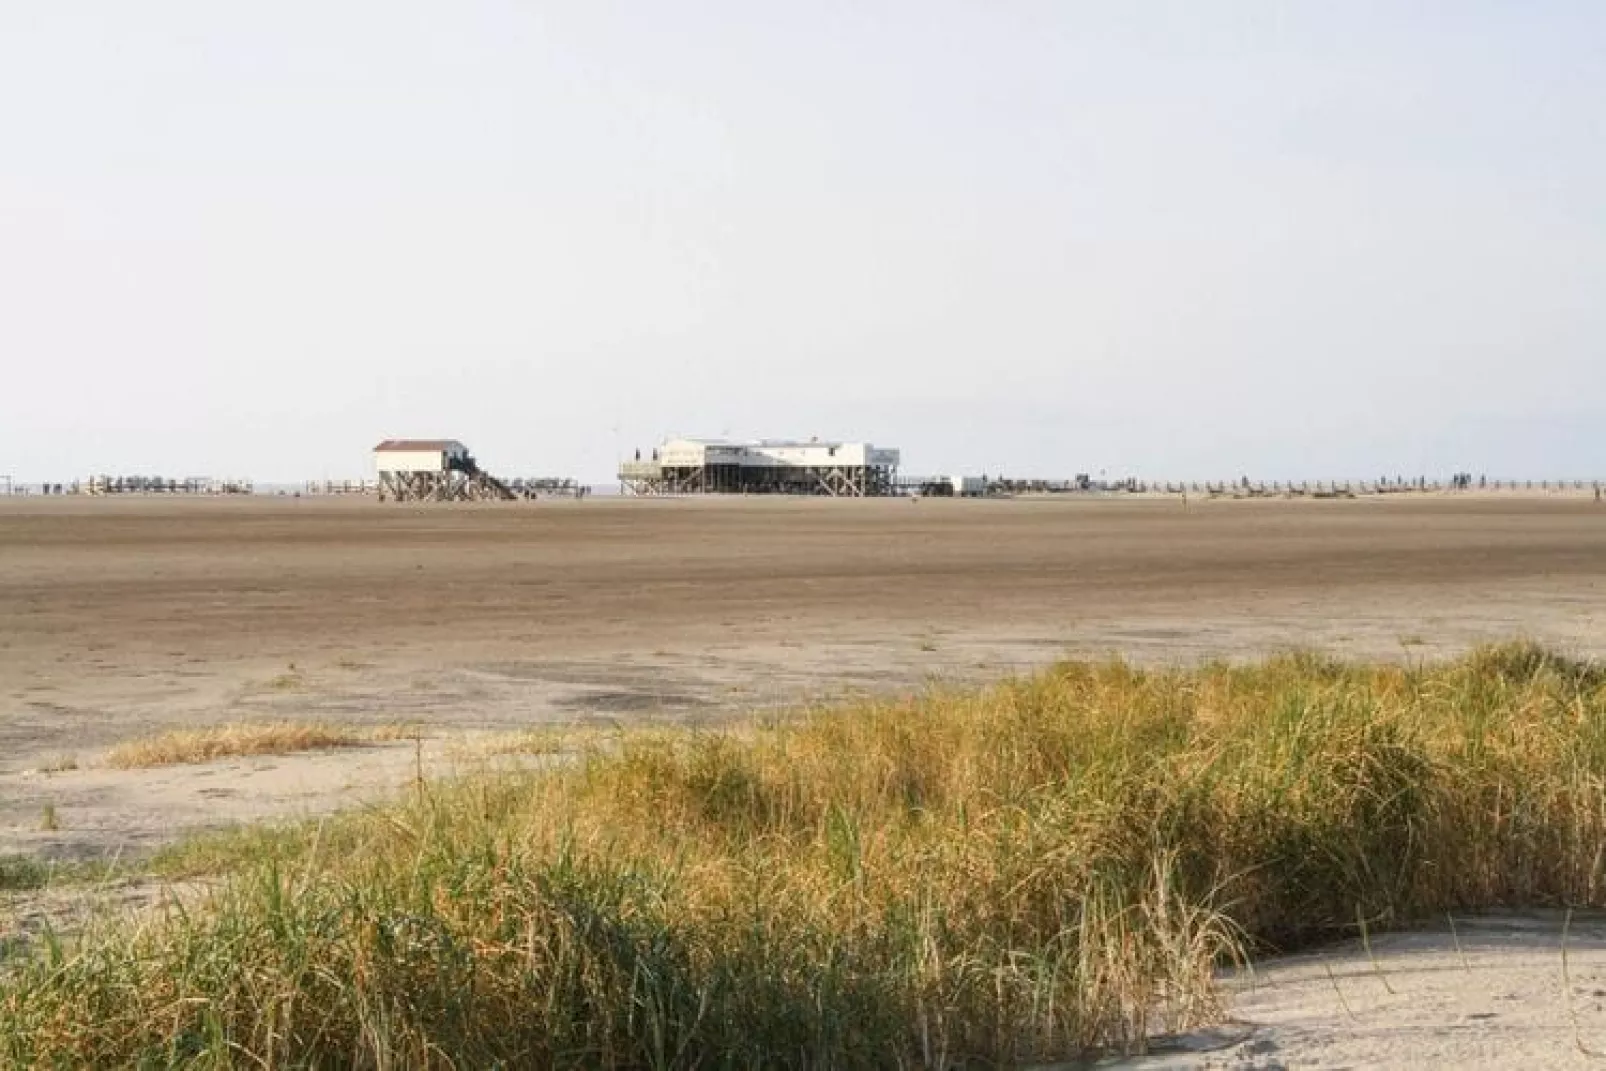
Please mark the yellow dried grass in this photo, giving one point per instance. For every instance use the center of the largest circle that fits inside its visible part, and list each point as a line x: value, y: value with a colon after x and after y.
x: 190, y: 746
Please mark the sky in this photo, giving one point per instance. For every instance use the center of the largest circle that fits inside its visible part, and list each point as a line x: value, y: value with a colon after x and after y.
x: 1170, y: 240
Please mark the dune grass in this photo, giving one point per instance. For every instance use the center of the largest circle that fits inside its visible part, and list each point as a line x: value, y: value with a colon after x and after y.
x: 1038, y: 870
x: 190, y: 746
x: 19, y: 872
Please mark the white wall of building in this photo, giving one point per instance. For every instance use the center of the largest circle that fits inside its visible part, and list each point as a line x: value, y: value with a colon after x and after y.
x: 968, y: 485
x: 410, y: 461
x: 417, y: 460
x: 693, y: 453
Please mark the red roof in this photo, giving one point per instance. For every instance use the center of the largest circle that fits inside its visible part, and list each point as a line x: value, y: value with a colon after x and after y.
x: 419, y: 446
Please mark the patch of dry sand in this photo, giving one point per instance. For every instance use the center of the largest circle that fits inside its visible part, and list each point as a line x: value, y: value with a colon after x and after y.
x: 1493, y: 991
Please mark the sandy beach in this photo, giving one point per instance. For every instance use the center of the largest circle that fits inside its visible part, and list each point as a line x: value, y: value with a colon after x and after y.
x: 129, y: 617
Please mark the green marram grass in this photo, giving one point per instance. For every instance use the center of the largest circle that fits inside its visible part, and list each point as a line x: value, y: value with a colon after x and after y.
x: 1047, y: 868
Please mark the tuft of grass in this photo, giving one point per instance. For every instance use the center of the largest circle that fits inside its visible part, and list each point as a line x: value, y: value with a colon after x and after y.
x: 26, y: 873
x: 290, y: 680
x: 549, y: 741
x: 22, y: 873
x: 395, y: 731
x: 49, y: 820
x: 59, y: 764
x: 1038, y: 871
x: 183, y: 746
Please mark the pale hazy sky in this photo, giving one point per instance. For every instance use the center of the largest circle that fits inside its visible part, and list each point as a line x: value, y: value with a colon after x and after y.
x: 1169, y: 239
